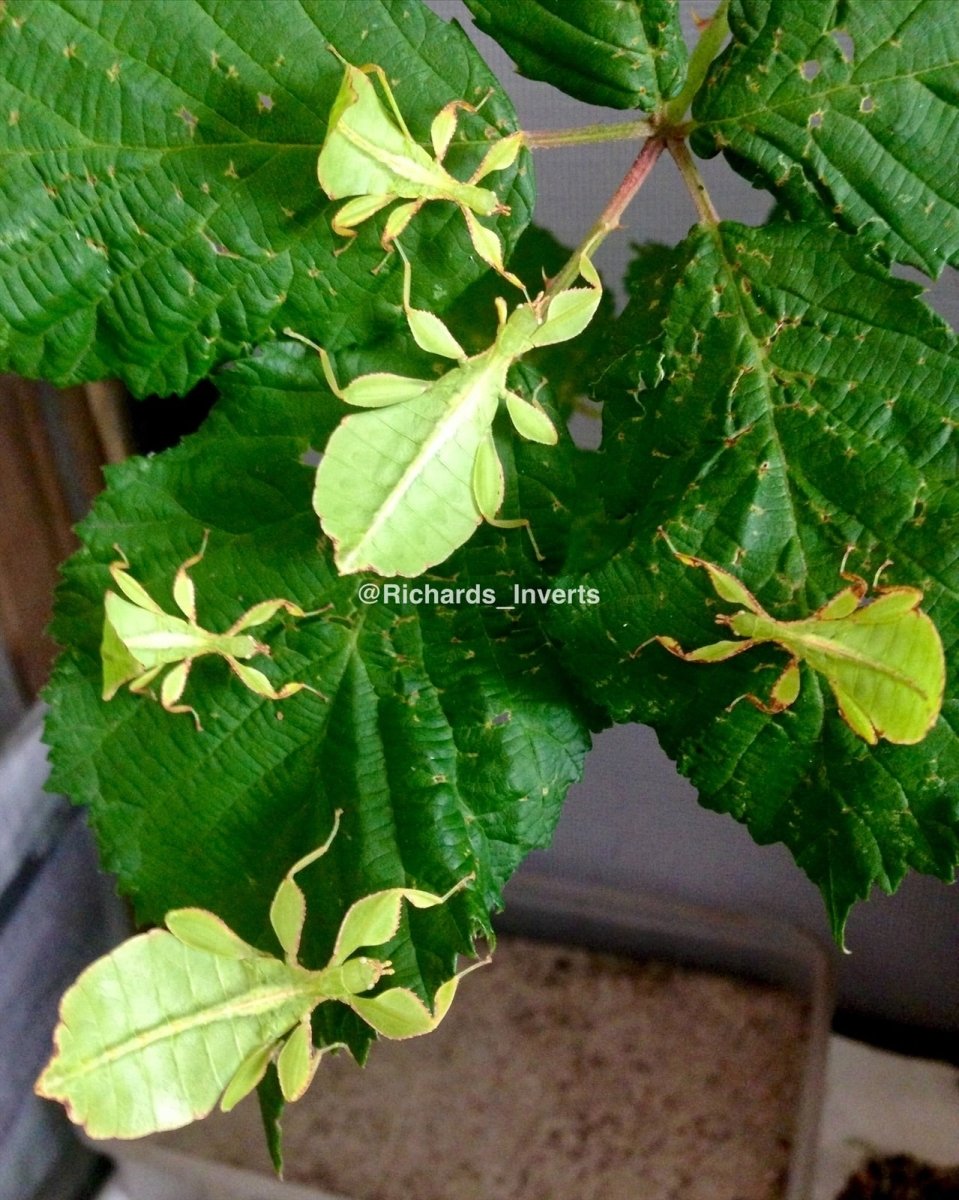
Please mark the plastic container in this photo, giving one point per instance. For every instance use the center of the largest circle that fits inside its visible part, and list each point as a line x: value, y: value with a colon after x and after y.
x: 599, y: 918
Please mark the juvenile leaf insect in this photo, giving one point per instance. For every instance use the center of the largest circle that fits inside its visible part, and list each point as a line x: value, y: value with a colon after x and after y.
x: 209, y: 1012
x: 401, y: 486
x: 140, y: 640
x: 881, y: 655
x: 369, y: 153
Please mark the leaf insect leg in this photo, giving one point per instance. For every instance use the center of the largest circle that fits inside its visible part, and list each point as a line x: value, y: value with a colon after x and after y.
x: 489, y: 488
x: 184, y: 592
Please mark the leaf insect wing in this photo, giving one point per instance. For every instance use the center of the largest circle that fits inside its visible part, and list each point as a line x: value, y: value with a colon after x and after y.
x: 119, y: 664
x: 854, y: 714
x: 891, y: 604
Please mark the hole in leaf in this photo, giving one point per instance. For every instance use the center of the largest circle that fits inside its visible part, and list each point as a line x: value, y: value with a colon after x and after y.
x: 815, y: 120
x: 501, y: 718
x: 810, y: 69
x: 311, y: 457
x: 188, y: 118
x: 847, y: 47
x: 222, y: 250
x: 867, y: 104
x: 264, y: 102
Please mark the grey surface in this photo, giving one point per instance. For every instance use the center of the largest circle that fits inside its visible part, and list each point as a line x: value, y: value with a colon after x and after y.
x: 57, y: 912
x: 11, y: 701
x: 634, y: 822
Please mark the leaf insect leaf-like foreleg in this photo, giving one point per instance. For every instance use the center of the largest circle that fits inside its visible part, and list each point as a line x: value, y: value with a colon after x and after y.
x: 399, y: 1013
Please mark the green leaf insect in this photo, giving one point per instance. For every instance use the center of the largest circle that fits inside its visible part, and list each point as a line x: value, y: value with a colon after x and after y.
x: 424, y: 451
x: 154, y: 1034
x: 369, y: 154
x: 881, y: 655
x: 140, y: 640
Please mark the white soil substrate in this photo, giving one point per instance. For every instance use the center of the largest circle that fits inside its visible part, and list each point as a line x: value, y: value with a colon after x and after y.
x: 559, y: 1073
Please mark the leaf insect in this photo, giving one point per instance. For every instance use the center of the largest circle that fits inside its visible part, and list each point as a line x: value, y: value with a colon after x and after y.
x: 154, y: 1034
x: 425, y: 450
x: 140, y: 640
x: 880, y: 654
x: 368, y: 153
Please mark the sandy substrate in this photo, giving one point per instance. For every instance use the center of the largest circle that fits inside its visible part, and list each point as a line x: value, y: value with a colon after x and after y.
x: 560, y: 1074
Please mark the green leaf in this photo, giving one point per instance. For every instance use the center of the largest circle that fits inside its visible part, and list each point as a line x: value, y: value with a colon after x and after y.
x: 794, y: 401
x: 449, y: 736
x: 160, y: 211
x: 619, y: 53
x: 850, y: 107
x: 271, y: 1113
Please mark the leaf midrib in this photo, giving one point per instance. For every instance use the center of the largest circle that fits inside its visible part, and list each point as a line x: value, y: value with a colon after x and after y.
x: 742, y: 115
x: 766, y: 367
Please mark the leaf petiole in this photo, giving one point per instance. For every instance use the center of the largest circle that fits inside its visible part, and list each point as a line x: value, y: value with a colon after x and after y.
x: 581, y: 135
x: 609, y: 218
x: 683, y: 159
x: 714, y: 33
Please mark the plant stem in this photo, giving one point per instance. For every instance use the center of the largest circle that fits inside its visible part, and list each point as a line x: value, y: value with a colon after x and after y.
x: 608, y: 219
x: 543, y: 139
x: 700, y: 60
x: 694, y: 181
